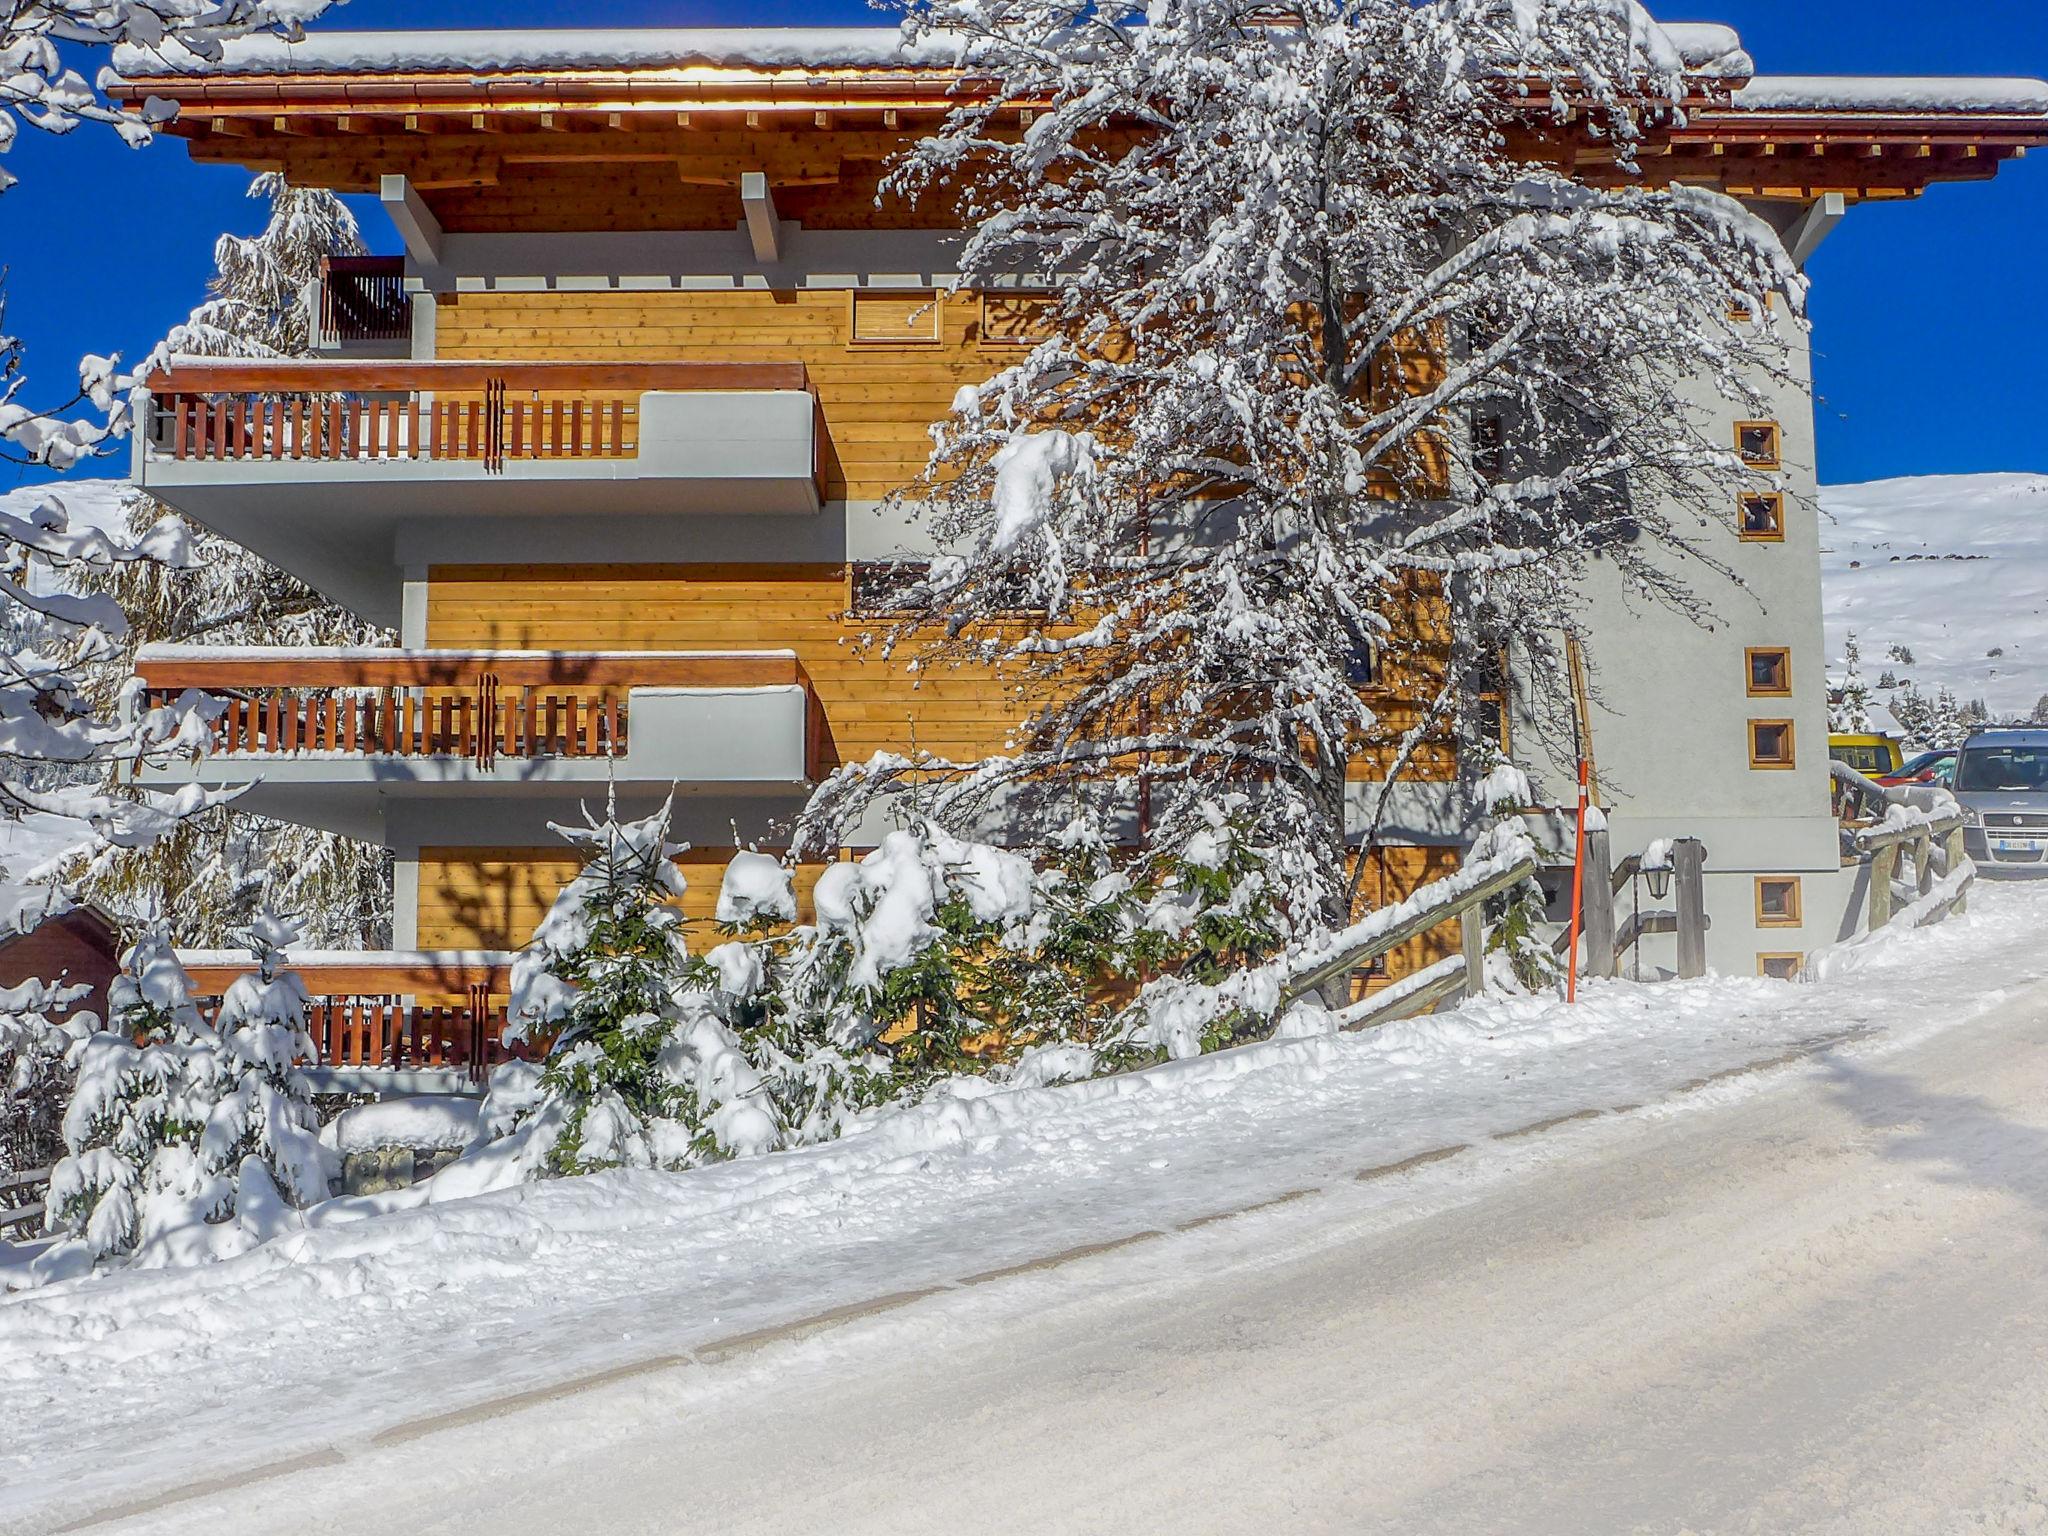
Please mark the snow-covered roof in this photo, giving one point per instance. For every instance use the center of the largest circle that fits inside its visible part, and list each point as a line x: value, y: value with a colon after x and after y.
x: 1882, y: 93
x: 1707, y: 47
x: 603, y: 48
x: 1710, y: 48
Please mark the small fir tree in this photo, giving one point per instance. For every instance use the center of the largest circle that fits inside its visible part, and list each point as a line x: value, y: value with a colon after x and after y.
x: 142, y: 1092
x: 1849, y: 711
x: 641, y: 1071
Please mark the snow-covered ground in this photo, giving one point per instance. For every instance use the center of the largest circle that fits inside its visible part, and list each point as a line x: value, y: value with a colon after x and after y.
x: 132, y: 1385
x: 1954, y: 568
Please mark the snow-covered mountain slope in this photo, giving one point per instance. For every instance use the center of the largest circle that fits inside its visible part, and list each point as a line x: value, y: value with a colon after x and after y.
x: 1954, y: 569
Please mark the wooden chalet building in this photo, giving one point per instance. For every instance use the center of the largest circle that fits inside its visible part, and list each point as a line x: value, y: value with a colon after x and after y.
x: 609, y: 444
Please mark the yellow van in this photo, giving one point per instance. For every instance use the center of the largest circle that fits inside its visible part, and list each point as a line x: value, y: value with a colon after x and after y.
x: 1870, y: 755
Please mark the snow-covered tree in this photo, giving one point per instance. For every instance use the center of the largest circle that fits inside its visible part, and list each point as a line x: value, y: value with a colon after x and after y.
x: 641, y: 1072
x: 1940, y: 721
x: 262, y: 1133
x: 38, y: 1027
x: 140, y: 1101
x: 1849, y: 709
x: 42, y: 45
x: 1329, y: 331
x: 173, y: 1123
x: 226, y: 860
x: 49, y: 736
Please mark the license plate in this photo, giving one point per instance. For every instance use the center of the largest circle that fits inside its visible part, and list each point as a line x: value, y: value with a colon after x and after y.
x: 2016, y: 845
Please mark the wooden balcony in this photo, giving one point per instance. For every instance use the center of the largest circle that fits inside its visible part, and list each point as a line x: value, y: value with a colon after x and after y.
x: 388, y: 1019
x: 476, y: 413
x: 328, y: 737
x: 322, y: 467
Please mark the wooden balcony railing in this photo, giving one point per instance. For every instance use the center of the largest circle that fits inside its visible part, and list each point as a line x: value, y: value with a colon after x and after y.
x: 363, y: 299
x: 392, y: 1011
x: 482, y: 705
x: 483, y: 413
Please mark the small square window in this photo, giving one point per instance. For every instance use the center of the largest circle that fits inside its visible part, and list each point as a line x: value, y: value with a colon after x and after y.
x: 1780, y: 967
x: 880, y: 589
x: 1757, y: 442
x: 1362, y: 663
x: 893, y: 317
x: 1017, y: 319
x: 1763, y: 516
x: 1770, y: 744
x: 1777, y: 901
x: 1770, y: 671
x: 1740, y: 313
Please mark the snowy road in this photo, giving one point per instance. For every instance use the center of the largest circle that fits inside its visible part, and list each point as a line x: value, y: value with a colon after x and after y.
x: 1812, y: 1299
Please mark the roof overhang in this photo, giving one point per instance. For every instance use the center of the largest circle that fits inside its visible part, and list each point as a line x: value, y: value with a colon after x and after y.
x: 498, y: 99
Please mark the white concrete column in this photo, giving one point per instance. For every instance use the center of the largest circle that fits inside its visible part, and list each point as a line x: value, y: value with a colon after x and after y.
x: 412, y: 619
x: 405, y: 899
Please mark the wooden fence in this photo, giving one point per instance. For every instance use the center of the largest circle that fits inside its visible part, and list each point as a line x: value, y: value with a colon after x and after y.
x: 1885, y: 827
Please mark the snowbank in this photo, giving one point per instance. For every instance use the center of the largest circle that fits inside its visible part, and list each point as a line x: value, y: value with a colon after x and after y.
x: 371, y: 1316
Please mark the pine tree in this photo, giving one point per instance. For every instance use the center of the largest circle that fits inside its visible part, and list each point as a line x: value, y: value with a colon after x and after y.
x: 641, y: 1072
x: 226, y: 862
x: 142, y: 1092
x: 1849, y: 709
x: 175, y: 1124
x: 1288, y: 254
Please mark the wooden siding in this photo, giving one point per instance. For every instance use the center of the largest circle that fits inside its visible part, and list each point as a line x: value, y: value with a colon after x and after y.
x: 868, y: 703
x: 878, y: 400
x: 491, y: 898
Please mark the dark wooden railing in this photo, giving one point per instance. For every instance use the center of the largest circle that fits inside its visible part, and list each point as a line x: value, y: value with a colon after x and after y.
x: 481, y: 705
x: 359, y: 1019
x: 482, y: 413
x: 363, y: 299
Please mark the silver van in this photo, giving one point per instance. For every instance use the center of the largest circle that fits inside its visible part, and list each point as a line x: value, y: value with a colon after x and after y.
x: 2002, y: 783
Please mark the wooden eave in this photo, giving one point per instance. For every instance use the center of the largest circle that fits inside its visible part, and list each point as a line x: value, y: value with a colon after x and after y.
x: 264, y: 120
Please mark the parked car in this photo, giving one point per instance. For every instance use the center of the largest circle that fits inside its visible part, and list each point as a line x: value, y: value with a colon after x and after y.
x: 1871, y: 755
x: 2002, y: 784
x: 1924, y: 768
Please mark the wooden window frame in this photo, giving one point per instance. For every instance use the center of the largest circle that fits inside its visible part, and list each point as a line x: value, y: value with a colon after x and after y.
x: 1767, y: 958
x: 1749, y: 656
x: 1791, y: 757
x: 1776, y: 535
x: 1794, y: 915
x: 933, y: 296
x: 1008, y: 343
x: 1777, y: 456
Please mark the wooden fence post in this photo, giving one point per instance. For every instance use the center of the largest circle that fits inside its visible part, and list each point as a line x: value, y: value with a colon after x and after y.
x: 1472, y: 942
x: 1923, y: 862
x: 1689, y: 883
x: 1598, y: 919
x: 1956, y: 859
x: 1883, y: 861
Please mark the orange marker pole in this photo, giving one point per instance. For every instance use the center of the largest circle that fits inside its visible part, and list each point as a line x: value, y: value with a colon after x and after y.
x: 1571, y: 954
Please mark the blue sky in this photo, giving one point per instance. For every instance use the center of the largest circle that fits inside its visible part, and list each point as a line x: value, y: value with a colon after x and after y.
x: 1930, y: 317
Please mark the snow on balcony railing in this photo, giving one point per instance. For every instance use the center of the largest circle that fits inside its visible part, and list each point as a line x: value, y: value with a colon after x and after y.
x: 363, y: 702
x: 484, y: 413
